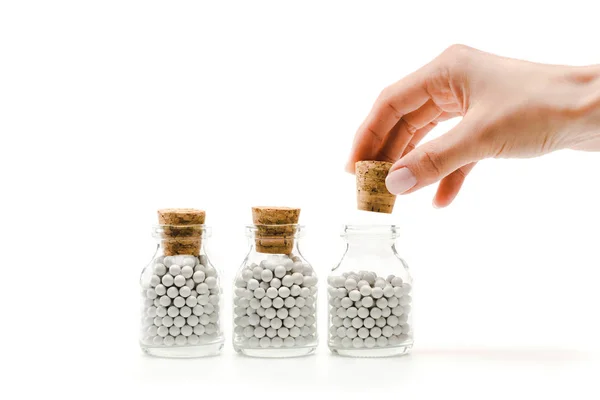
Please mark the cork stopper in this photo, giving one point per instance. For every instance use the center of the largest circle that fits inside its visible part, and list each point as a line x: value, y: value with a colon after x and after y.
x: 182, y: 230
x: 275, y: 229
x: 371, y: 193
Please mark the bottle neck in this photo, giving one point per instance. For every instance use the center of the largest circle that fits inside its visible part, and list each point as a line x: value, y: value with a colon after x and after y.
x: 370, y: 239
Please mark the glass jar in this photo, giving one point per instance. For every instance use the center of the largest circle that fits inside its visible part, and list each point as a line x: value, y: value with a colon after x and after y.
x: 369, y: 296
x: 275, y: 295
x: 181, y: 296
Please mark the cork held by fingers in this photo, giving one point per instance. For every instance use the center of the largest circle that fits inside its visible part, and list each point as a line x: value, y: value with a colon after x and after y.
x: 371, y: 192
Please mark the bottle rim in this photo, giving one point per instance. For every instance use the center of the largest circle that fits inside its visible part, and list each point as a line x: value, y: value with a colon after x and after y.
x: 371, y: 230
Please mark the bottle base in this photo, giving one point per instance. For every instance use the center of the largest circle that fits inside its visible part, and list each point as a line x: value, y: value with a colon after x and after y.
x: 373, y: 353
x: 206, y: 350
x: 277, y: 353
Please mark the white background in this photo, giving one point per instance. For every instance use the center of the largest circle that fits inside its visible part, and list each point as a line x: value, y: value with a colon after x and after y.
x: 110, y: 110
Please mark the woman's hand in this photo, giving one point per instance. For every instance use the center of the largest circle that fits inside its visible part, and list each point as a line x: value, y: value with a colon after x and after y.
x: 510, y: 108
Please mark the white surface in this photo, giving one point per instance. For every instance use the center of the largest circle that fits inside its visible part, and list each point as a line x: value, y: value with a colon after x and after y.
x: 110, y: 110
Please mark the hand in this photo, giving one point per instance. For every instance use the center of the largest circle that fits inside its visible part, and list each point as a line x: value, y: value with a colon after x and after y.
x: 510, y: 108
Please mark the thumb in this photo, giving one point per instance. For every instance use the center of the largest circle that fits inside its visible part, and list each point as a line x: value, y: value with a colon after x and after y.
x: 436, y: 159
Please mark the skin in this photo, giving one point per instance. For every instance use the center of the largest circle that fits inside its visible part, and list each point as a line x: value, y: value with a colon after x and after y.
x: 509, y: 109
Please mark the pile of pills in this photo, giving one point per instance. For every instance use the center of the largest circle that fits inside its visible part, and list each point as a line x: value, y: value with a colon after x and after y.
x: 275, y: 304
x: 368, y: 311
x: 180, y: 302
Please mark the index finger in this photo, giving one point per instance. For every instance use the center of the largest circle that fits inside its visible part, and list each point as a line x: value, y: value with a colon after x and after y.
x: 395, y: 101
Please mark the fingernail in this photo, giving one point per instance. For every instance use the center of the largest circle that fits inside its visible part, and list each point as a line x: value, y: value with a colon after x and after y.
x: 400, y: 180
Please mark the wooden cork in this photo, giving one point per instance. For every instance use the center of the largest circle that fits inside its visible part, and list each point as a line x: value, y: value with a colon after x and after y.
x: 270, y: 237
x: 182, y: 230
x: 371, y: 193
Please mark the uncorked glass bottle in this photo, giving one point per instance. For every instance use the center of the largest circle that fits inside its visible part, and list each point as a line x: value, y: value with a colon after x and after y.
x: 180, y: 290
x: 275, y: 290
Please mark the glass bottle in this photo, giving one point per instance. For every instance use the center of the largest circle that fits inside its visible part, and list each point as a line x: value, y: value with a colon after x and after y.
x: 369, y: 296
x: 275, y: 295
x: 181, y: 295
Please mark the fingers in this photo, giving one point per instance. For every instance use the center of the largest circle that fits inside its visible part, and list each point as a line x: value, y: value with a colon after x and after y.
x: 450, y: 186
x: 403, y: 97
x: 402, y: 133
x: 436, y: 159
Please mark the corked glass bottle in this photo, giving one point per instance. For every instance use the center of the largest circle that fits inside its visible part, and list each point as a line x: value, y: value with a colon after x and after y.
x: 181, y: 290
x: 369, y: 291
x: 275, y: 290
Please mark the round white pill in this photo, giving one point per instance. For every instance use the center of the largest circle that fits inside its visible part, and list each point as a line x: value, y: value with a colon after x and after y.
x: 276, y: 283
x: 363, y: 333
x: 393, y: 302
x: 199, y: 330
x: 398, y: 311
x: 199, y: 276
x: 165, y: 301
x: 154, y: 280
x: 282, y: 313
x: 160, y: 289
x: 179, y: 301
x: 192, y: 320
x: 172, y: 292
x: 350, y: 284
x: 179, y: 321
x: 185, y: 291
x: 369, y: 322
x: 357, y: 343
x: 280, y: 271
x: 186, y: 330
x: 211, y: 282
x: 283, y: 332
x: 159, y: 269
x: 167, y: 280
x: 271, y: 332
x: 289, y: 302
x: 272, y: 292
x: 377, y: 292
x: 246, y: 274
x: 357, y: 323
x: 284, y: 292
x: 174, y: 331
x: 187, y: 271
x: 252, y: 284
x: 173, y: 311
x: 259, y: 293
x: 257, y: 272
x: 387, y: 331
x: 265, y: 342
x: 193, y: 339
x: 174, y: 270
x: 382, y: 302
x: 162, y: 331
x: 179, y: 281
x: 354, y: 295
x: 191, y: 301
x: 363, y: 312
x: 161, y: 311
x: 185, y: 311
x: 277, y: 342
x: 266, y: 275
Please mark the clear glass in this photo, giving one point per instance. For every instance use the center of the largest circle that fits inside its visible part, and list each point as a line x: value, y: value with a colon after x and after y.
x: 369, y: 296
x: 275, y: 301
x: 181, y: 300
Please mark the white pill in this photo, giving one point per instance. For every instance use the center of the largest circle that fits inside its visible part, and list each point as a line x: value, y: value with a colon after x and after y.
x: 253, y: 319
x: 375, y: 332
x: 377, y: 292
x: 365, y: 290
x: 398, y: 330
x: 393, y: 302
x: 272, y: 292
x: 257, y: 272
x: 199, y: 330
x: 252, y: 284
x: 277, y: 342
x: 159, y: 269
x: 185, y: 311
x: 270, y: 313
x: 386, y: 312
x: 169, y: 340
x: 388, y: 291
x: 202, y: 288
x: 210, y: 271
x: 341, y: 331
x: 202, y: 299
x: 406, y: 288
x: 199, y: 276
x: 375, y: 313
x: 211, y: 282
x: 209, y: 309
x: 168, y: 261
x: 357, y: 343
x: 294, y: 312
x: 160, y: 290
x: 363, y: 333
x: 369, y: 322
x: 310, y: 281
x: 301, y: 302
x: 398, y: 311
x: 266, y: 275
x: 151, y: 294
x: 305, y: 292
x: 407, y: 309
x: 382, y: 341
x: 246, y: 274
x: 284, y: 292
x: 354, y: 295
x: 187, y: 271
x: 396, y: 281
x: 352, y: 312
x: 157, y: 321
x: 165, y: 301
x: 174, y: 331
x: 265, y: 342
x: 405, y: 300
x: 173, y: 311
x: 179, y: 301
x: 357, y: 323
x: 276, y: 323
x: 154, y: 280
x: 341, y: 312
x: 271, y: 332
x: 161, y: 311
x: 167, y: 280
x: 382, y: 302
x: 259, y: 293
x: 174, y: 270
x: 282, y: 313
x: 185, y: 291
x: 211, y: 328
x: 186, y: 330
x: 300, y: 321
x: 283, y: 332
x: 179, y: 321
x: 381, y: 322
x: 248, y: 331
x: 266, y: 302
x: 276, y: 283
x: 193, y: 339
x: 289, y: 302
x: 191, y: 301
x: 172, y: 292
x: 367, y: 301
x: 152, y: 330
x: 280, y: 271
x: 162, y: 331
x: 192, y: 320
x: 289, y: 342
x: 370, y: 342
x: 387, y: 331
x: 350, y: 284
